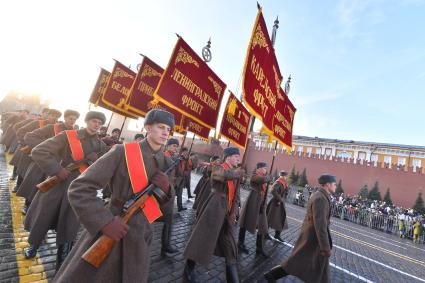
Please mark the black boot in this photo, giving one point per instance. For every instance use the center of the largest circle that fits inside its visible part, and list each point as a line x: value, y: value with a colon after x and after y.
x: 31, y: 251
x: 62, y: 253
x: 274, y: 274
x: 189, y: 274
x: 241, y: 242
x: 14, y: 174
x: 165, y: 240
x: 24, y: 210
x: 260, y: 248
x: 232, y: 273
x: 277, y: 236
x: 18, y: 183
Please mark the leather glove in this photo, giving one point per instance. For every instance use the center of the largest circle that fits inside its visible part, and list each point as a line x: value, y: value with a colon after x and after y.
x: 325, y: 253
x: 240, y: 172
x: 160, y: 180
x: 116, y: 229
x: 63, y: 174
x: 92, y: 156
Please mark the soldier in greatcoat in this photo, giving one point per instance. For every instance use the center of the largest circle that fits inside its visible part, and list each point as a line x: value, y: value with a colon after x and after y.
x: 213, y: 233
x: 276, y: 212
x: 203, y: 188
x: 180, y: 178
x: 130, y: 257
x: 34, y: 174
x: 309, y: 260
x: 51, y: 209
x: 253, y: 214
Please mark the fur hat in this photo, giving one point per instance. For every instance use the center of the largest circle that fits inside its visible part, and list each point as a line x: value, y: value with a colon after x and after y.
x: 116, y: 130
x: 173, y: 141
x: 326, y: 178
x: 230, y: 151
x: 55, y: 112
x: 261, y: 165
x: 283, y: 173
x: 95, y: 115
x: 70, y: 112
x: 159, y: 116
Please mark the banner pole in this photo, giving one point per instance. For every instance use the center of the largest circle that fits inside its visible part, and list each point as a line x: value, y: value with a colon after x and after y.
x: 110, y: 119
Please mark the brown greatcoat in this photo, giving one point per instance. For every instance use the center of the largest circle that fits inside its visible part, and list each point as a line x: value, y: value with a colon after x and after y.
x: 8, y: 133
x: 253, y: 212
x: 305, y: 261
x: 129, y: 259
x: 18, y: 154
x: 213, y: 232
x: 52, y: 209
x: 204, y: 189
x: 25, y: 160
x: 34, y: 174
x: 276, y: 212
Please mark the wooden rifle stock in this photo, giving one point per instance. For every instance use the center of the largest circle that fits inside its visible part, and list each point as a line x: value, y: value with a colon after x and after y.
x: 100, y: 250
x: 26, y: 149
x: 50, y: 182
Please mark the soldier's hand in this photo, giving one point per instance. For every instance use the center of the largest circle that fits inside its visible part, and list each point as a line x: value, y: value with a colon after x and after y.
x: 325, y: 253
x: 92, y: 156
x: 116, y: 229
x: 240, y: 172
x: 63, y: 174
x: 160, y: 179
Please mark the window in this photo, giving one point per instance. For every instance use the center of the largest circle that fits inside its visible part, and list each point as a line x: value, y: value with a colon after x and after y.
x: 318, y: 151
x: 309, y: 150
x: 300, y: 150
x: 387, y: 159
x: 401, y: 161
x: 344, y: 154
x: 416, y: 164
x: 328, y: 151
x: 362, y: 155
x: 374, y: 157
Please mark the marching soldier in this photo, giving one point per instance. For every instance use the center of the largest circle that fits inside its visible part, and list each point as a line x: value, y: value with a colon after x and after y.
x: 180, y: 178
x: 191, y: 163
x: 51, y: 208
x: 253, y: 212
x: 276, y: 212
x: 113, y: 139
x: 34, y: 174
x: 203, y: 188
x: 130, y: 256
x: 309, y: 260
x: 213, y: 230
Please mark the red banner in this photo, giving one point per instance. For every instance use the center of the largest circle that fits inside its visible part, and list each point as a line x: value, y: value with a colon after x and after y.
x: 235, y: 122
x: 142, y: 90
x: 99, y: 90
x: 283, y: 120
x: 118, y: 88
x: 191, y: 87
x: 261, y: 81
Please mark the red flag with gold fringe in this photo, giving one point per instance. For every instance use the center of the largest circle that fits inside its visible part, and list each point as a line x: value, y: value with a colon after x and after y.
x: 189, y: 86
x: 235, y: 122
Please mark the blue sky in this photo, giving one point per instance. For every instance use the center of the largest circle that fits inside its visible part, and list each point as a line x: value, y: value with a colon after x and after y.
x: 358, y: 67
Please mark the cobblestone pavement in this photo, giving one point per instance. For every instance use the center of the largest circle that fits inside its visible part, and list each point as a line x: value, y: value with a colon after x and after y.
x: 360, y: 254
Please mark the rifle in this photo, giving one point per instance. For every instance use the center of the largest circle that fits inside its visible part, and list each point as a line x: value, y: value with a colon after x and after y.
x: 50, y: 182
x: 26, y: 149
x: 98, y: 252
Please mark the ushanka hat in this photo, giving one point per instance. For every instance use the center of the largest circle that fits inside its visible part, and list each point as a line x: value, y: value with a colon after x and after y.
x: 230, y: 151
x: 159, y: 116
x: 70, y: 112
x: 95, y: 115
x: 326, y: 178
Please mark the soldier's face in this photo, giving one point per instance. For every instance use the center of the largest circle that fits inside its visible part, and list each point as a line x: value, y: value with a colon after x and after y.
x: 158, y: 133
x: 70, y: 120
x: 233, y: 159
x: 173, y: 148
x: 93, y: 125
x: 330, y: 187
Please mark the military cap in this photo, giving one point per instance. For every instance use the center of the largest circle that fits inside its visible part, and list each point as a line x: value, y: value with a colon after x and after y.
x: 70, y: 112
x: 261, y: 165
x: 173, y: 141
x: 214, y: 158
x: 55, y: 112
x: 326, y: 178
x: 95, y: 115
x: 159, y: 116
x: 283, y: 173
x: 230, y: 151
x: 139, y: 136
